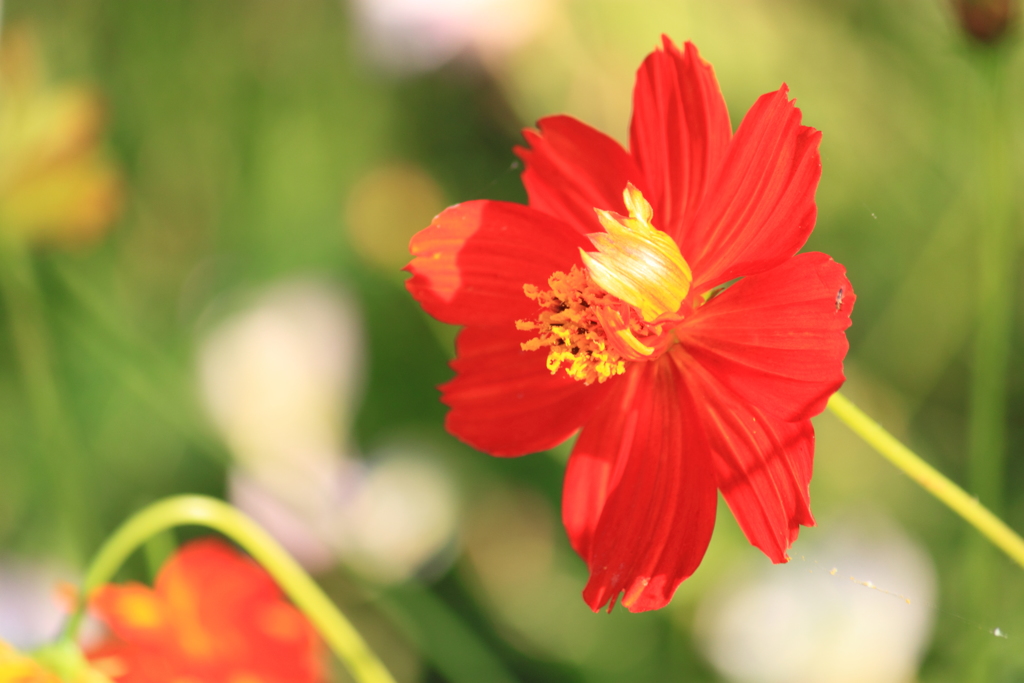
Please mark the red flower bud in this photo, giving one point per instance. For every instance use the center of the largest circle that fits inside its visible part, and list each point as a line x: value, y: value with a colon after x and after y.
x: 986, y: 20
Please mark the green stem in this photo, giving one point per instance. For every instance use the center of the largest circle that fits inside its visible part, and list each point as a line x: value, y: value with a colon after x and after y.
x: 996, y: 254
x: 158, y: 387
x: 340, y: 635
x: 59, y: 454
x: 933, y: 481
x: 455, y: 648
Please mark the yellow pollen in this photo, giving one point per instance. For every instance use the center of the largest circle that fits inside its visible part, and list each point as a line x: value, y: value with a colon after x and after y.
x: 570, y: 325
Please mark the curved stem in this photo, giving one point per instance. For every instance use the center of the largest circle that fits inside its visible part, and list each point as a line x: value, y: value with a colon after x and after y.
x: 340, y: 635
x: 933, y: 481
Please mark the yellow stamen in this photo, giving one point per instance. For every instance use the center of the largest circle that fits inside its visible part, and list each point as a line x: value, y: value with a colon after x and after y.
x: 613, y: 323
x: 582, y: 329
x: 569, y: 326
x: 636, y: 262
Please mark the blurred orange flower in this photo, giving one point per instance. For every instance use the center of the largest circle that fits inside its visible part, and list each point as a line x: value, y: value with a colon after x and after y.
x: 56, y: 184
x: 214, y: 616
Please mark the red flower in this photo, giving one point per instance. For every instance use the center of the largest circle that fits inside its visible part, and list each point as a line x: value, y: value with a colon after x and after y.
x: 214, y: 616
x: 631, y: 328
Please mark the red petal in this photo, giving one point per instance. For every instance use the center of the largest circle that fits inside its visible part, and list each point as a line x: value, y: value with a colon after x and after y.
x: 571, y: 169
x: 504, y: 401
x: 763, y: 465
x: 596, y: 463
x: 217, y: 582
x: 132, y: 612
x: 640, y: 491
x: 777, y: 339
x: 679, y: 133
x: 227, y: 598
x: 471, y: 263
x: 224, y: 618
x: 759, y: 209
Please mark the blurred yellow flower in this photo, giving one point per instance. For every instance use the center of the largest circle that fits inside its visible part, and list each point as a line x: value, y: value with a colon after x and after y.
x: 56, y: 184
x: 17, y: 668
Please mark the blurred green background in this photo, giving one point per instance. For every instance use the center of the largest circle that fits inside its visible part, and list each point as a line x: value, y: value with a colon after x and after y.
x: 262, y: 143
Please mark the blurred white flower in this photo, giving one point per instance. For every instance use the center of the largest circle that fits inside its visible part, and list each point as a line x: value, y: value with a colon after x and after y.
x: 402, y: 515
x: 418, y: 35
x: 304, y: 529
x: 281, y: 382
x: 855, y: 606
x: 30, y: 610
x: 280, y: 378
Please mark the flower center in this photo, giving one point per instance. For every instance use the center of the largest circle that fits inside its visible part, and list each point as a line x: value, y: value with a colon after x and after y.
x: 617, y: 308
